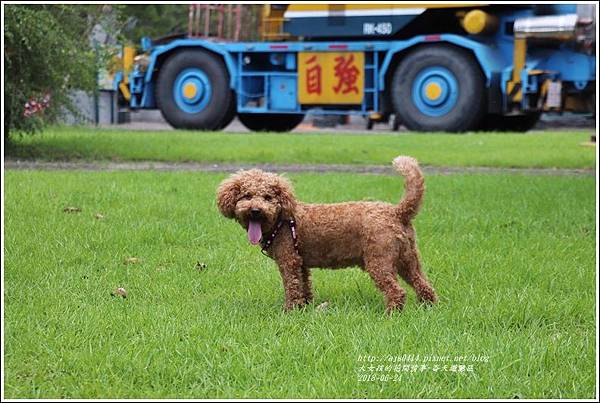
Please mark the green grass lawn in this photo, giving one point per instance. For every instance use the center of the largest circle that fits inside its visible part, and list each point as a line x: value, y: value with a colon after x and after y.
x: 512, y: 258
x: 536, y: 149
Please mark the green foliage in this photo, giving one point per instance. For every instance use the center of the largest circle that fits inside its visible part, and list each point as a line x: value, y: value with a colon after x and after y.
x: 152, y: 20
x: 46, y: 51
x: 166, y: 20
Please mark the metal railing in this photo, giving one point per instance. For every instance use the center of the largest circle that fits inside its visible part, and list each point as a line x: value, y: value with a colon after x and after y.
x: 219, y: 21
x: 233, y: 22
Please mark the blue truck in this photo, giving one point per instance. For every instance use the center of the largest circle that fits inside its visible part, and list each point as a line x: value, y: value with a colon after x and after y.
x: 439, y: 67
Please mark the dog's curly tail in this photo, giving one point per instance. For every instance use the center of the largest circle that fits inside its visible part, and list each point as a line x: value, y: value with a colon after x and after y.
x: 414, y: 187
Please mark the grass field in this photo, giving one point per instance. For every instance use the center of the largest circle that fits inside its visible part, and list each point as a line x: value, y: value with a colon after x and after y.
x: 512, y: 257
x: 532, y: 150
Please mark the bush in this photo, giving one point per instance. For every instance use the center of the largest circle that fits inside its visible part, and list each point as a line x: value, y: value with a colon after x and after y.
x: 47, y: 54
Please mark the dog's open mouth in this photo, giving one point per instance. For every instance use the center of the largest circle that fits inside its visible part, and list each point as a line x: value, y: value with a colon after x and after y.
x: 254, y: 231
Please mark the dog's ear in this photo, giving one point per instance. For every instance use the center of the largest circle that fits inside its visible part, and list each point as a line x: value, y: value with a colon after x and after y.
x: 285, y: 195
x: 227, y: 195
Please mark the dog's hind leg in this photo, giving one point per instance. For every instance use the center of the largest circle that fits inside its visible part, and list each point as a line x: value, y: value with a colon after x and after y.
x: 409, y: 268
x: 383, y: 272
x: 306, y: 284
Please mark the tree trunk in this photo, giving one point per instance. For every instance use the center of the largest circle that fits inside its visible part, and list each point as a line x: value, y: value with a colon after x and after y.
x: 6, y: 127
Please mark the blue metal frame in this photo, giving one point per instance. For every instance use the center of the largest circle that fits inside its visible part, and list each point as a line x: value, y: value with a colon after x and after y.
x: 252, y: 82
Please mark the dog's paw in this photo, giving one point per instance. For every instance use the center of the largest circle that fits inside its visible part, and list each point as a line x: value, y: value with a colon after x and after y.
x: 428, y: 297
x: 297, y: 304
x: 391, y: 309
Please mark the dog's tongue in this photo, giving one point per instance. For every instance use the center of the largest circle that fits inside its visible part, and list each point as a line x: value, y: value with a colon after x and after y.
x: 254, y: 232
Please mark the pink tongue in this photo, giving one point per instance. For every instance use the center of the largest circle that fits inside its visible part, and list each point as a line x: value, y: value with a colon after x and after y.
x: 254, y: 232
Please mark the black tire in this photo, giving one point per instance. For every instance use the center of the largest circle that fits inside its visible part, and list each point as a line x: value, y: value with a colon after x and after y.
x: 270, y: 122
x: 231, y: 112
x: 214, y: 114
x: 499, y: 123
x: 396, y: 123
x: 469, y: 106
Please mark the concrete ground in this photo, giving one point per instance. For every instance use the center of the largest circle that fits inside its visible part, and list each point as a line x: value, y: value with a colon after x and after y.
x: 153, y: 120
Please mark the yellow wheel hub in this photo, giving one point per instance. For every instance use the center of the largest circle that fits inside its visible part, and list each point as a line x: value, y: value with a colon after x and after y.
x: 189, y: 90
x: 433, y: 91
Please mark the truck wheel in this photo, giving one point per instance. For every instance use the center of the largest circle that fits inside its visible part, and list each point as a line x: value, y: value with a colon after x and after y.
x: 396, y: 122
x: 499, y: 123
x: 193, y: 91
x: 438, y: 88
x: 270, y: 122
x: 231, y: 112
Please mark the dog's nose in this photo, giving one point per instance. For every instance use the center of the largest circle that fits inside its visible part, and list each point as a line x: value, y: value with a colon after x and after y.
x: 255, y: 213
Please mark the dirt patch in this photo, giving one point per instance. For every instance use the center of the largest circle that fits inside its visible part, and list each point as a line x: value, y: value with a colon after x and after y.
x: 280, y: 168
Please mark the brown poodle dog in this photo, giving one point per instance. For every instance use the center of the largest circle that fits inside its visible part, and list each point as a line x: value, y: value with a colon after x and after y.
x: 376, y: 236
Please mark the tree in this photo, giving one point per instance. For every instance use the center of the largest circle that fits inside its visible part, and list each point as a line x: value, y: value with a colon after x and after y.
x: 168, y: 20
x: 47, y: 54
x: 152, y: 20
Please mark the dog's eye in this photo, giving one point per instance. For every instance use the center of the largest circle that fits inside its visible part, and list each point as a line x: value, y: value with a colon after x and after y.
x: 247, y: 196
x: 268, y: 197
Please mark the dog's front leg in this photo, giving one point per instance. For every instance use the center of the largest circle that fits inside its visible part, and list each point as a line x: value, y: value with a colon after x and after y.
x: 290, y: 268
x: 293, y: 274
